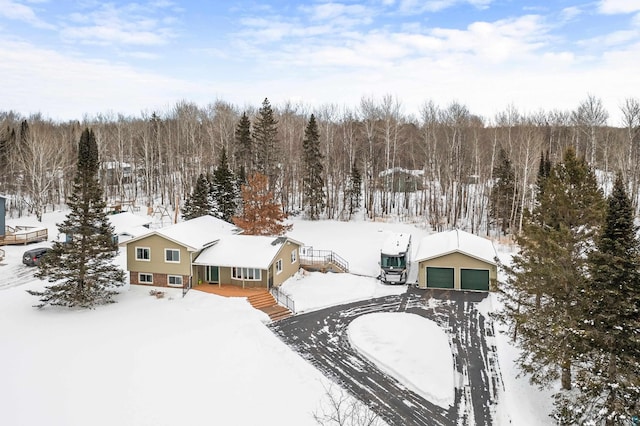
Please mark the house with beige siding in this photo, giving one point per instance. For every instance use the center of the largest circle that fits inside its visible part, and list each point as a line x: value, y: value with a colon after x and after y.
x: 456, y: 260
x: 207, y: 250
x: 248, y: 261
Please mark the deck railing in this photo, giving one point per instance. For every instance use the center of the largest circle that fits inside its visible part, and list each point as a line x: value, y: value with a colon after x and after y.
x: 22, y: 235
x: 322, y: 258
x: 283, y: 299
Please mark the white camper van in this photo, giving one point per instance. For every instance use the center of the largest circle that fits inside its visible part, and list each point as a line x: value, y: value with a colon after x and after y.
x: 395, y: 259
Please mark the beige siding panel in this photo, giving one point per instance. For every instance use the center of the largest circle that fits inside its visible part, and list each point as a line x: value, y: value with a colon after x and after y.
x: 224, y: 275
x: 288, y: 268
x: 157, y: 264
x: 457, y: 261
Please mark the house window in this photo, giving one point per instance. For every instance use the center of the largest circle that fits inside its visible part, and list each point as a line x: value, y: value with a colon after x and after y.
x: 247, y: 274
x: 278, y: 266
x: 172, y: 255
x: 294, y: 255
x: 145, y: 278
x: 174, y: 280
x: 143, y: 253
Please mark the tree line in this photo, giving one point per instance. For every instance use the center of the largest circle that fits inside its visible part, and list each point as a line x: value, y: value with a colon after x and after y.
x: 439, y: 166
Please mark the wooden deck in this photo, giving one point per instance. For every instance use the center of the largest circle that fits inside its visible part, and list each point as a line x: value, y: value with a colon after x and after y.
x: 23, y: 235
x: 229, y: 290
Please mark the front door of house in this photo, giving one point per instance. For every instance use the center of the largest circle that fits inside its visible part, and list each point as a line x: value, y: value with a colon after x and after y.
x: 212, y: 274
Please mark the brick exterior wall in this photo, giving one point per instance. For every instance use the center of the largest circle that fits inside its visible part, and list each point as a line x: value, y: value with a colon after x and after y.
x: 159, y: 280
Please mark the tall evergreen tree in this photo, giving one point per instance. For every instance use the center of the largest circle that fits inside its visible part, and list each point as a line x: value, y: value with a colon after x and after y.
x: 544, y: 168
x: 199, y: 203
x: 244, y: 145
x: 82, y: 270
x: 353, y: 190
x: 265, y: 133
x: 608, y: 382
x: 313, y: 184
x: 261, y: 214
x: 546, y: 277
x: 504, y: 208
x: 224, y: 191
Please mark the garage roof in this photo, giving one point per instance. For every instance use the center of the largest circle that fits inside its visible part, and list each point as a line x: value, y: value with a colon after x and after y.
x: 443, y: 243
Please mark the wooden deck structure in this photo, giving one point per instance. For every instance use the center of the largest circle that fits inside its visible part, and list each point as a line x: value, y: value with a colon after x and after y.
x: 229, y: 290
x: 23, y: 235
x: 322, y: 260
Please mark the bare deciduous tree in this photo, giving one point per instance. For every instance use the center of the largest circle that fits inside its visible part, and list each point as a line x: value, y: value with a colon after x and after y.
x: 338, y: 408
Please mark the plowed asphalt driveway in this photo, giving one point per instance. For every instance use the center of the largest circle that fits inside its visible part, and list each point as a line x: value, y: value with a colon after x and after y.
x: 321, y: 338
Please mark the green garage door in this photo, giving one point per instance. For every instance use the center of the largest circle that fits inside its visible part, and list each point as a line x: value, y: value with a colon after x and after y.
x: 474, y: 279
x: 439, y: 277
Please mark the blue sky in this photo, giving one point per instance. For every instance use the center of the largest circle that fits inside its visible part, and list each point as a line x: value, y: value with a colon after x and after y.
x: 68, y: 58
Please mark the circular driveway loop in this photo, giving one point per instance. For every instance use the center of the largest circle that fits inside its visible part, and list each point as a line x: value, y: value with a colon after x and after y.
x: 321, y: 338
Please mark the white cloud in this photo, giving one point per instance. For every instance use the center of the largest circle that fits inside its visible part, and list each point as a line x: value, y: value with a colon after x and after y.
x: 131, y: 24
x: 20, y: 12
x: 569, y: 13
x: 610, y: 7
x: 615, y: 38
x: 332, y: 11
x: 413, y: 6
x: 33, y: 80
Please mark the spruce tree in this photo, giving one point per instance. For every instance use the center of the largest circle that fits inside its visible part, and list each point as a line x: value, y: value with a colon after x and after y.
x: 503, y: 205
x: 608, y: 382
x: 261, y: 214
x: 244, y: 145
x: 546, y: 276
x: 265, y: 133
x: 353, y: 190
x: 544, y: 170
x: 81, y: 270
x: 199, y: 202
x: 223, y: 187
x: 313, y: 184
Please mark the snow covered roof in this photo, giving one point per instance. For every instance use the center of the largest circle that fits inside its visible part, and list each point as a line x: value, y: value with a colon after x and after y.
x: 246, y: 251
x: 196, y: 233
x: 401, y: 170
x: 443, y: 243
x: 134, y: 231
x: 396, y: 244
x: 124, y: 221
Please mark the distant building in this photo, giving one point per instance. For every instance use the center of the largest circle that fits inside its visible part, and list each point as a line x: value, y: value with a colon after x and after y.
x: 114, y: 171
x: 401, y: 180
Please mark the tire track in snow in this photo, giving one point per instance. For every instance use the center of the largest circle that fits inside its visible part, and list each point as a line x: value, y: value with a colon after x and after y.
x: 321, y: 338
